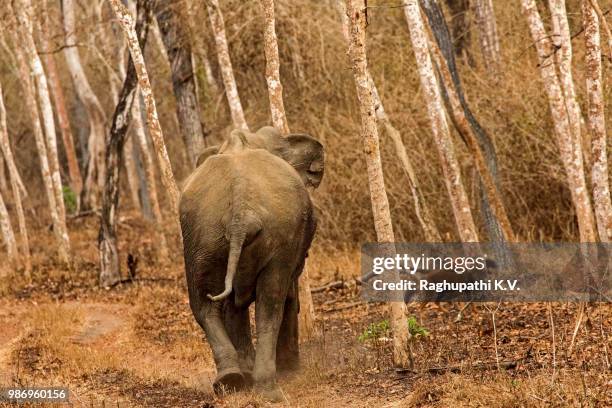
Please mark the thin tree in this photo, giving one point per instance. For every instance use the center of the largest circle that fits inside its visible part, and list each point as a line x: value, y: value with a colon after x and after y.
x: 155, y: 130
x: 597, y: 122
x: 22, y: 10
x: 7, y: 232
x: 7, y: 155
x: 63, y: 246
x: 561, y: 39
x: 439, y: 125
x: 225, y: 64
x: 378, y: 195
x: 421, y: 208
x: 279, y: 120
x: 487, y: 34
x: 94, y: 177
x: 275, y: 87
x: 569, y: 147
x: 76, y: 181
x: 175, y: 35
x: 110, y: 271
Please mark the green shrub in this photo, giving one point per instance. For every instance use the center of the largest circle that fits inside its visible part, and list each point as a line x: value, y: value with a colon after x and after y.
x: 375, y: 331
x: 70, y: 199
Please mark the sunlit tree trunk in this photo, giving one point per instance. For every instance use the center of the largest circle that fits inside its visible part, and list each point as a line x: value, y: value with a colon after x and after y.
x: 225, y: 64
x: 7, y: 155
x: 487, y: 34
x: 94, y: 177
x: 569, y: 147
x: 422, y: 211
x: 149, y: 169
x: 178, y: 47
x: 597, y: 122
x: 7, y: 232
x: 563, y: 57
x: 439, y: 125
x: 76, y: 181
x: 31, y: 63
x: 378, y: 195
x: 275, y: 87
x: 22, y: 9
x: 63, y: 246
x: 155, y: 130
x: 110, y: 271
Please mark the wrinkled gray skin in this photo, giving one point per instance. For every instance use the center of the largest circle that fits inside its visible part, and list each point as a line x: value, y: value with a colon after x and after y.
x: 247, y: 223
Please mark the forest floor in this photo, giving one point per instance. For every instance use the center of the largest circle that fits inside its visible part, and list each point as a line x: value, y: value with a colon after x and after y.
x: 137, y: 345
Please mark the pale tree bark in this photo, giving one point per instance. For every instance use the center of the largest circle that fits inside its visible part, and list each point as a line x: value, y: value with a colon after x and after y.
x: 422, y: 211
x: 569, y: 148
x: 155, y: 130
x: 487, y: 34
x: 7, y: 155
x: 561, y: 39
x: 275, y: 87
x: 7, y: 232
x: 149, y: 168
x: 178, y: 47
x: 378, y: 195
x: 225, y: 64
x: 76, y: 181
x: 94, y: 177
x: 597, y: 123
x: 22, y: 10
x: 439, y: 125
x: 63, y: 246
x: 110, y: 270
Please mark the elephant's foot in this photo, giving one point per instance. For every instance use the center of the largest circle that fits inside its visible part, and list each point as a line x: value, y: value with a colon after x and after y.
x: 229, y: 380
x: 272, y: 393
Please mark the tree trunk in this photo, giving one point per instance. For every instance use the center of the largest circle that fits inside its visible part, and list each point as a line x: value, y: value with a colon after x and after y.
x: 7, y: 155
x: 76, y: 181
x: 563, y: 57
x: 225, y: 64
x: 3, y: 183
x: 7, y: 232
x: 275, y: 87
x: 30, y: 103
x: 460, y: 23
x: 40, y: 80
x: 178, y: 47
x: 150, y: 186
x: 155, y: 130
x: 421, y: 209
x: 568, y: 146
x: 487, y: 34
x: 378, y: 195
x: 94, y: 177
x: 110, y: 272
x: 597, y: 122
x: 50, y: 172
x: 444, y: 143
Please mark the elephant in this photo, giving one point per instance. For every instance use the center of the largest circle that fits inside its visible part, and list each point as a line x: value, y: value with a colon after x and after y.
x: 247, y: 222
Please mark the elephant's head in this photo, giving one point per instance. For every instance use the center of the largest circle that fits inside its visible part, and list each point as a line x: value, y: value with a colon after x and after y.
x: 302, y: 151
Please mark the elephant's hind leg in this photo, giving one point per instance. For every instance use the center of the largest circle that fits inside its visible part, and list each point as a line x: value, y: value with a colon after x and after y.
x: 287, y: 348
x: 238, y: 325
x: 229, y: 375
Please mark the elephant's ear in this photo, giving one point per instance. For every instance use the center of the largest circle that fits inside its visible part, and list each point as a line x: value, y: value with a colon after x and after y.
x: 209, y: 151
x: 306, y: 155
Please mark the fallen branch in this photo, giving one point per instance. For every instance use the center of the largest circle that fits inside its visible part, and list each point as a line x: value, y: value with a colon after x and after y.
x: 331, y: 285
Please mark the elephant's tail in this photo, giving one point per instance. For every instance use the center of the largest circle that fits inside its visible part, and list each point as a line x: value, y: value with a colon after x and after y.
x: 242, y: 229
